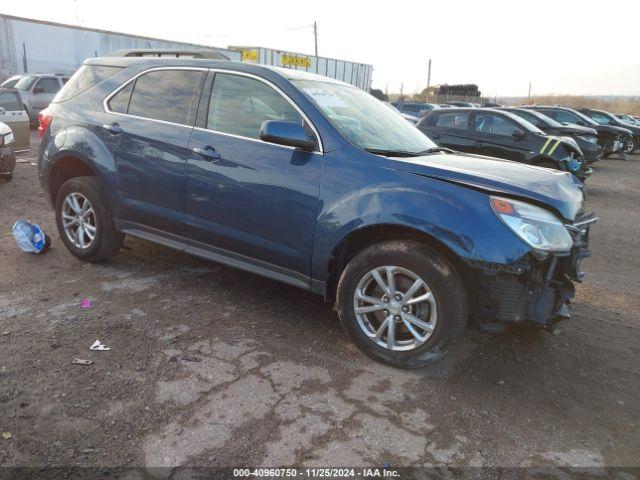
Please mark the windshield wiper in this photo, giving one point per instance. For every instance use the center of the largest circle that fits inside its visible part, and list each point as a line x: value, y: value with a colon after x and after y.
x: 391, y: 153
x: 436, y: 150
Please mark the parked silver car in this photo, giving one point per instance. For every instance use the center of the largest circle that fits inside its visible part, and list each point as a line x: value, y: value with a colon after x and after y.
x: 11, y: 81
x: 38, y: 90
x: 14, y: 114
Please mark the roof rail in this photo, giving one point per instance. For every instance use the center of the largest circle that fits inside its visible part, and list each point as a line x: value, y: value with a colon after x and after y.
x: 169, y: 53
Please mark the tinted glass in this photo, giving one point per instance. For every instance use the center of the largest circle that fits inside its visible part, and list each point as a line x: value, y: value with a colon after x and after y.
x: 10, y: 102
x: 165, y: 95
x: 601, y: 118
x: 48, y: 85
x: 531, y: 118
x: 459, y: 120
x: 492, y: 124
x: 85, y: 77
x: 119, y: 103
x: 239, y: 105
x: 411, y: 108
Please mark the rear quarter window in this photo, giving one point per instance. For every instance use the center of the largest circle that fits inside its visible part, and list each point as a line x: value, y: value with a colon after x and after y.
x: 85, y: 77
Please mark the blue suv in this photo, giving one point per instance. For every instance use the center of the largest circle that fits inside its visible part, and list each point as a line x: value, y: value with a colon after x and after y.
x: 315, y: 183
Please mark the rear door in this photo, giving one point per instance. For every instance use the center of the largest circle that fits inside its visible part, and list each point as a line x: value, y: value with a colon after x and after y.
x: 146, y: 126
x: 13, y: 113
x: 492, y: 135
x: 451, y: 129
x: 249, y: 200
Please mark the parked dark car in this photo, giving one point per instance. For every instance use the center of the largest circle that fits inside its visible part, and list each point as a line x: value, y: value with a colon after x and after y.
x: 628, y: 119
x: 7, y: 154
x: 462, y: 104
x: 501, y: 134
x: 585, y: 137
x: 606, y: 118
x: 314, y: 183
x: 417, y: 109
x: 612, y: 139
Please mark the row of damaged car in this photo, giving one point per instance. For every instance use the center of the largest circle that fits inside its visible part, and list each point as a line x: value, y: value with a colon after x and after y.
x: 555, y: 137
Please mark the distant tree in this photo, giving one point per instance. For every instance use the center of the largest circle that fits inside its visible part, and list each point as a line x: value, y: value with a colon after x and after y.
x: 379, y: 94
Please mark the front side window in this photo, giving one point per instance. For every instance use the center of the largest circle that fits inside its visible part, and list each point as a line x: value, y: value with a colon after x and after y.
x: 165, y: 95
x: 25, y: 82
x: 492, y: 124
x: 601, y: 118
x: 47, y: 85
x: 364, y: 120
x: 239, y: 105
x: 10, y: 102
x: 457, y: 121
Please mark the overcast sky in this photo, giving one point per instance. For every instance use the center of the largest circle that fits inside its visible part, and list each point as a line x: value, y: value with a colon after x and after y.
x: 560, y: 46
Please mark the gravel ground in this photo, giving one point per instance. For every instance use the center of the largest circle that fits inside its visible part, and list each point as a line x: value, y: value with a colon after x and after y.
x: 211, y: 366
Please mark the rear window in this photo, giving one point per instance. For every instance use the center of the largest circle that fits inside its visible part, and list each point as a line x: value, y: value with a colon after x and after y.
x: 85, y: 77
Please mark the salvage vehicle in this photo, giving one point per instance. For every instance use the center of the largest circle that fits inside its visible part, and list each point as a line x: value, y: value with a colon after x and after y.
x: 38, y: 90
x: 606, y: 118
x: 416, y: 109
x: 315, y: 183
x: 628, y: 119
x: 7, y: 154
x: 14, y: 114
x: 501, y: 134
x: 585, y: 137
x: 612, y: 139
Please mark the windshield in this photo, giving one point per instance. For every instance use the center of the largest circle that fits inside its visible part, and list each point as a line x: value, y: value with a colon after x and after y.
x: 538, y: 119
x: 364, y: 120
x: 25, y: 82
x: 10, y: 82
x: 584, y: 118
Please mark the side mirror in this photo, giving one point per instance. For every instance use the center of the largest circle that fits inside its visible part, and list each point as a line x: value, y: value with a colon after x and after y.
x: 38, y: 90
x: 290, y: 134
x: 2, y: 111
x: 518, y: 134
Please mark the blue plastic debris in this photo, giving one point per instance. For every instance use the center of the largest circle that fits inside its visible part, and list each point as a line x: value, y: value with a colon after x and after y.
x: 30, y: 237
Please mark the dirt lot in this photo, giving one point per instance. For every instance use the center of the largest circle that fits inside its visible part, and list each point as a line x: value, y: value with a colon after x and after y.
x: 210, y: 366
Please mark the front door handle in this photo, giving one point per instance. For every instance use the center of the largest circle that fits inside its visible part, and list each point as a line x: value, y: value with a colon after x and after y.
x: 114, y: 128
x: 208, y: 153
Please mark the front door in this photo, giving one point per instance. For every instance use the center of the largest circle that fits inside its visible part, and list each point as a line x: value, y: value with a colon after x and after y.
x: 247, y: 199
x: 147, y: 128
x: 492, y: 135
x: 16, y: 117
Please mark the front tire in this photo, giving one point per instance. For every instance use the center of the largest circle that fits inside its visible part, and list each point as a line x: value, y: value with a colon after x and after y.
x: 84, y: 220
x: 402, y: 303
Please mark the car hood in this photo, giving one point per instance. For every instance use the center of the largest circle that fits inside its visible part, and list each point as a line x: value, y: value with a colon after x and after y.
x: 578, y: 130
x: 552, y: 188
x: 612, y: 129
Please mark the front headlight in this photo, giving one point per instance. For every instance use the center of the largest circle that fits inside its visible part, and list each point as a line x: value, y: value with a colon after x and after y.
x: 537, y: 227
x: 8, y: 138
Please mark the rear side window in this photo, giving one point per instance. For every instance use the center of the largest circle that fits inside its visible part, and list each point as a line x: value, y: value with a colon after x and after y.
x: 458, y: 121
x: 165, y: 95
x: 239, y: 105
x: 85, y: 77
x: 10, y: 102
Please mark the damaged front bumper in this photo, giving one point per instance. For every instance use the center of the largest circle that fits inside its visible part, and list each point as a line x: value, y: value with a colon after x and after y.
x: 532, y: 289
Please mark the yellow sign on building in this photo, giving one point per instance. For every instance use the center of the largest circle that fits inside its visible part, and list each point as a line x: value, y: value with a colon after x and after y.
x: 250, y: 55
x: 295, y: 61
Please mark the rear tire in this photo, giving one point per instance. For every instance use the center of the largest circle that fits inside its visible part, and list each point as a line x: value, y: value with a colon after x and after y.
x: 7, y: 177
x: 85, y: 194
x: 412, y: 345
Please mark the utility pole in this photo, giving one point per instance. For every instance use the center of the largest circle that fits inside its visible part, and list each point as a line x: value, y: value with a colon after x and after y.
x: 401, y: 91
x: 529, y: 93
x: 315, y: 36
x: 429, y: 80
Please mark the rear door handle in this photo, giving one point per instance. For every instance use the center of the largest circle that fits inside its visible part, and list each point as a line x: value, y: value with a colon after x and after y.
x: 208, y: 153
x: 114, y: 128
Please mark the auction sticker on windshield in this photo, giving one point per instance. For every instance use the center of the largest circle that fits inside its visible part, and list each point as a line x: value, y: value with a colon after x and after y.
x: 325, y: 98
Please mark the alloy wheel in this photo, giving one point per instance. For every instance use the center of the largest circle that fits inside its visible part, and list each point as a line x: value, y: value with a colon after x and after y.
x: 79, y: 220
x: 395, y: 308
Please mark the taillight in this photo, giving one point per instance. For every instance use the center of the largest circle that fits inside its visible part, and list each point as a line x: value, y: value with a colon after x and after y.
x: 44, y: 117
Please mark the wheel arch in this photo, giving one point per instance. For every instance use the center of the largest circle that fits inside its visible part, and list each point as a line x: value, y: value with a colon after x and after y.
x: 68, y: 166
x: 358, y: 240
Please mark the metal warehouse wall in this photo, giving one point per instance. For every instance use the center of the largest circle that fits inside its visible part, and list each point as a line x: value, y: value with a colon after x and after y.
x: 358, y: 74
x: 33, y: 46
x: 46, y: 47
